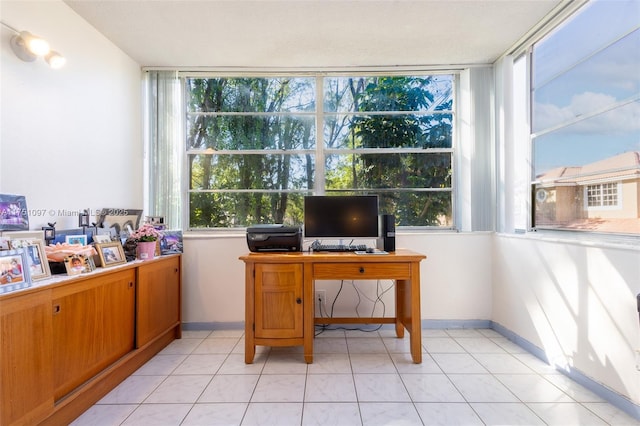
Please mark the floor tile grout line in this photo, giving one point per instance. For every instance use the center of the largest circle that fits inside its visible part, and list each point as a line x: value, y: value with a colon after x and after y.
x: 488, y: 372
x: 473, y: 354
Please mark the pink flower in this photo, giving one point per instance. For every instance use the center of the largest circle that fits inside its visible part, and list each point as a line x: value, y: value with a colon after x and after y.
x: 146, y: 233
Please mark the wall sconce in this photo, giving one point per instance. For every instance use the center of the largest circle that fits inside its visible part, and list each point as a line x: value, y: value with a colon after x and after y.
x: 28, y: 47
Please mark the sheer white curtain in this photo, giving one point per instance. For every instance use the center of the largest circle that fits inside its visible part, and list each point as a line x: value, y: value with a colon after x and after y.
x: 164, y: 142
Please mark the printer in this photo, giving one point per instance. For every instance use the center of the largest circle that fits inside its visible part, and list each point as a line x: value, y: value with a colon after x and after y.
x: 277, y: 237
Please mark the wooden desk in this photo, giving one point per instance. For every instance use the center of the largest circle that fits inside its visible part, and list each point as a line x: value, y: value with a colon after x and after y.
x: 279, y: 302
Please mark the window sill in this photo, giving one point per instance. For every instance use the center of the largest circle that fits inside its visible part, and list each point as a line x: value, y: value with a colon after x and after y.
x: 587, y: 239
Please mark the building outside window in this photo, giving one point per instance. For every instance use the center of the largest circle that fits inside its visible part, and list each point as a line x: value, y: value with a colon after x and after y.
x: 585, y: 121
x: 257, y: 145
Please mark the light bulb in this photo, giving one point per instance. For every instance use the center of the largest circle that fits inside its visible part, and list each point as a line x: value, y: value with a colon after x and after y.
x: 55, y: 60
x: 36, y: 45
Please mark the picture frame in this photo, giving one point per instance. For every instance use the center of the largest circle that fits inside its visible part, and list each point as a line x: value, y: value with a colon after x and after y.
x: 122, y: 220
x: 171, y: 242
x: 76, y: 239
x: 14, y: 271
x: 24, y: 235
x: 111, y: 254
x: 79, y: 264
x: 36, y: 256
x: 91, y: 264
x: 102, y: 238
x: 14, y: 215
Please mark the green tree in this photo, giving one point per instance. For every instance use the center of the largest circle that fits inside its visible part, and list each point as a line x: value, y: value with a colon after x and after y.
x: 236, y: 115
x: 408, y: 130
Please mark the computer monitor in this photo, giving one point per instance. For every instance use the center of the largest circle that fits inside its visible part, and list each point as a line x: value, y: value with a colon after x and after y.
x: 341, y: 216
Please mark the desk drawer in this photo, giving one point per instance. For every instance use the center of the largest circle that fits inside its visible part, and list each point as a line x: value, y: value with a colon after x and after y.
x: 363, y: 271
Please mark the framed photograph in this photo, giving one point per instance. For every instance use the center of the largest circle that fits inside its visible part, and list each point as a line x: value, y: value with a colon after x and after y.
x: 111, y: 254
x: 76, y: 239
x: 171, y: 242
x: 14, y: 270
x: 102, y: 238
x: 91, y: 264
x: 121, y: 220
x: 36, y: 257
x: 24, y: 235
x: 77, y: 264
x: 14, y: 215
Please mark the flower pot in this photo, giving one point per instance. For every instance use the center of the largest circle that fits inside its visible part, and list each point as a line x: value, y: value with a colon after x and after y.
x: 145, y: 250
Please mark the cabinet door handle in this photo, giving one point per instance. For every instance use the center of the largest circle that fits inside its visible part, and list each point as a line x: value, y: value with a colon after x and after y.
x: 56, y: 309
x: 298, y: 301
x: 362, y: 270
x: 130, y: 284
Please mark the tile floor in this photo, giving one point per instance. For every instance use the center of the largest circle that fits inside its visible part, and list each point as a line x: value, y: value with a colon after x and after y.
x: 468, y: 377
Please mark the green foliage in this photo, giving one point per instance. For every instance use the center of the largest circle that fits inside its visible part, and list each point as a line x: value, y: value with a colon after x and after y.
x: 233, y: 123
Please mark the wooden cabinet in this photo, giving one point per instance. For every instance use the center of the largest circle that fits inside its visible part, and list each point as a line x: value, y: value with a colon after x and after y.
x: 278, y: 301
x: 67, y: 342
x: 278, y: 306
x: 26, y: 388
x: 93, y: 326
x: 279, y: 287
x: 158, y: 301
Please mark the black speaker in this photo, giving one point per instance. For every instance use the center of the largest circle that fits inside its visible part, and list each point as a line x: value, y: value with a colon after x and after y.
x: 387, y: 234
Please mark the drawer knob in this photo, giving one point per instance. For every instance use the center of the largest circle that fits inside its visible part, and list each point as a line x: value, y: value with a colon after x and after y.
x: 362, y: 270
x: 298, y: 301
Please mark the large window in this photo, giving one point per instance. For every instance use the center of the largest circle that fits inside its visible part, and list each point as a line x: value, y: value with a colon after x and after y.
x: 257, y: 145
x: 586, y: 121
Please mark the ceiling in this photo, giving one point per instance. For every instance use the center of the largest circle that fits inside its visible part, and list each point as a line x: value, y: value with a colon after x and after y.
x: 312, y: 33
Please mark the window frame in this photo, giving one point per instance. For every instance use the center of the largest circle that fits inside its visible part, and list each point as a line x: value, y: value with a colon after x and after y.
x: 320, y: 152
x: 527, y: 49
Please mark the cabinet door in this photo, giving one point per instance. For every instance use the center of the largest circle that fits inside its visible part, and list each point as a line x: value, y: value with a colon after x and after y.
x: 278, y: 304
x: 158, y: 301
x: 93, y: 326
x: 26, y: 385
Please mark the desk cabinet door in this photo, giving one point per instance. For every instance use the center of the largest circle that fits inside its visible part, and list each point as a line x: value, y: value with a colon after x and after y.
x: 278, y: 304
x: 158, y: 301
x: 93, y: 326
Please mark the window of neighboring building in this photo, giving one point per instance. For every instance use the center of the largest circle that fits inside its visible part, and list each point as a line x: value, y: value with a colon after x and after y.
x: 257, y: 145
x: 602, y: 195
x: 585, y: 120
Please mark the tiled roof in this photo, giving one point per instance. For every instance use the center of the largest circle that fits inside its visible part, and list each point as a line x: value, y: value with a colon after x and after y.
x: 625, y: 165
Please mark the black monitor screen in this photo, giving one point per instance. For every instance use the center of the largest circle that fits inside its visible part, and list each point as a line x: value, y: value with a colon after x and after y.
x: 347, y: 216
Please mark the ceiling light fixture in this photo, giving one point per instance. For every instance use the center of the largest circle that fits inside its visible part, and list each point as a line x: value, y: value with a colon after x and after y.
x: 29, y: 47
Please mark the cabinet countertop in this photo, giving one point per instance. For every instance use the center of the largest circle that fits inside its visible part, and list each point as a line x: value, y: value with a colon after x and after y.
x: 63, y: 279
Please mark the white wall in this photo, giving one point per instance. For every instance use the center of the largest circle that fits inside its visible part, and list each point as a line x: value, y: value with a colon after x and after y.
x: 456, y: 278
x: 71, y: 138
x: 576, y: 301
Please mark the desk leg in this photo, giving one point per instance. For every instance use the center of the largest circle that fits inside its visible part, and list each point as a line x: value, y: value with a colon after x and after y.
x: 413, y: 303
x: 308, y: 312
x: 400, y: 310
x: 249, y: 316
x: 408, y: 311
